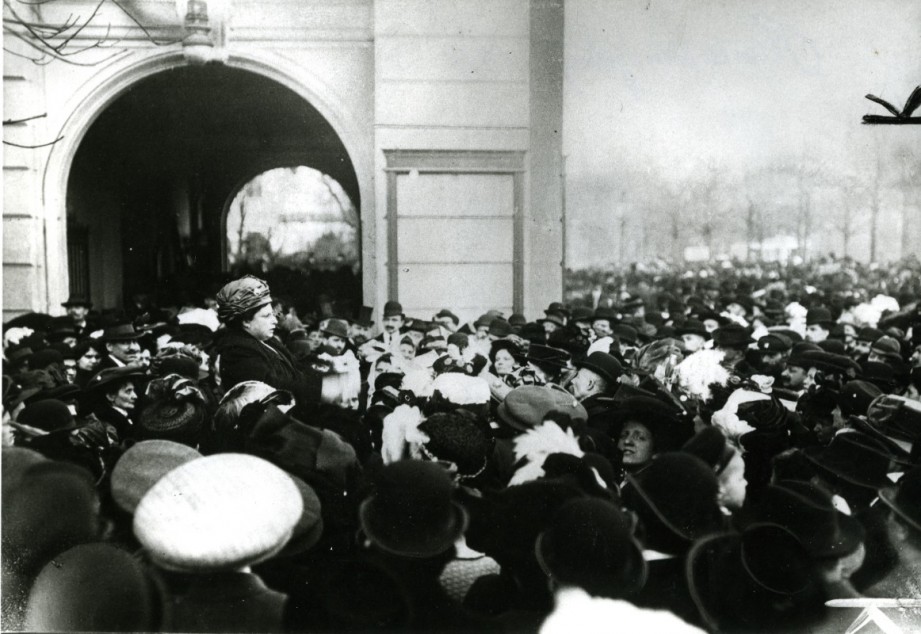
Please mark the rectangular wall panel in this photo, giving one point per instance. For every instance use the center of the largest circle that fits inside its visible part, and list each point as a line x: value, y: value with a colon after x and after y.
x: 460, y: 240
x: 456, y: 195
x: 455, y: 285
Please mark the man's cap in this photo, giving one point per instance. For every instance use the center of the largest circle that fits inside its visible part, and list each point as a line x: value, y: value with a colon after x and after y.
x: 142, y: 466
x: 526, y: 407
x: 774, y: 343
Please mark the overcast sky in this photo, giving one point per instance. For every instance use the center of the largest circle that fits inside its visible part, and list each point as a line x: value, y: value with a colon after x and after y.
x: 674, y: 86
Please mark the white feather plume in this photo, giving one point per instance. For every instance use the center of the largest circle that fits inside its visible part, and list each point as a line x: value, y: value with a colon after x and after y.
x: 461, y: 389
x: 536, y: 444
x: 867, y: 315
x: 418, y: 381
x: 14, y: 335
x: 401, y: 427
x: 699, y: 371
x: 884, y: 303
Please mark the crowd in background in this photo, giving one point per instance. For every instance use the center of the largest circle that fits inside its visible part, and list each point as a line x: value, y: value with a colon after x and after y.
x: 726, y: 447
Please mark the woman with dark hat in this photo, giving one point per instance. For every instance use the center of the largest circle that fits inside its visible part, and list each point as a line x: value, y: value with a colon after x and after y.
x: 648, y: 427
x: 247, y: 347
x: 111, y: 396
x: 503, y: 358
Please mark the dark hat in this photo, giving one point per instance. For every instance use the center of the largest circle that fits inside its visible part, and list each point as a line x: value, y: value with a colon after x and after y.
x: 517, y: 320
x: 309, y: 528
x: 582, y: 313
x: 774, y: 343
x: 500, y: 328
x: 18, y: 355
x: 895, y: 420
x: 557, y: 307
x: 61, y: 328
x: 763, y: 413
x: 95, y: 588
x: 693, y: 327
x: 807, y: 511
x: 106, y: 378
x: 393, y: 309
x: 606, y: 313
x: 411, y: 512
x: 456, y: 437
x: 364, y: 317
x: 444, y: 312
x: 174, y: 417
x: 43, y: 358
x: 835, y: 346
x: 242, y: 295
x: 798, y: 352
x: 853, y: 457
x: 120, y: 332
x: 869, y: 334
x: 759, y: 580
x: 820, y: 316
x: 77, y: 300
x: 604, y: 365
x: 732, y: 336
x: 421, y: 325
x: 459, y: 339
x: 554, y: 318
x: 669, y: 429
x: 880, y: 374
x: 142, y: 466
x: 626, y: 333
x: 505, y: 344
x: 709, y: 444
x: 905, y: 498
x: 546, y: 355
x: 47, y: 415
x: 888, y: 347
x: 180, y: 364
x: 527, y: 406
x: 789, y: 333
x: 589, y: 544
x: 829, y: 362
x: 678, y: 491
x: 336, y: 328
x: 484, y: 320
x: 855, y: 397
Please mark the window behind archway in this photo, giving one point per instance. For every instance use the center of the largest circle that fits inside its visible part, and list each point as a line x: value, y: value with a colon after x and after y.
x: 299, y: 225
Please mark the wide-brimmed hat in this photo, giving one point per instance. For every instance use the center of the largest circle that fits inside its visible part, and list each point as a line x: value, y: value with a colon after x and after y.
x: 679, y: 492
x: 105, y: 378
x: 692, y: 327
x: 47, y: 415
x: 609, y: 314
x: 220, y: 512
x: 759, y: 580
x: 807, y: 511
x: 411, y: 512
x: 120, y: 332
x: 527, y: 406
x: 589, y: 543
x: 905, y: 498
x: 142, y: 466
x: 547, y: 355
x: 855, y: 397
x: 895, y: 421
x: 828, y: 362
x: 242, y: 295
x: 669, y: 429
x: 604, y: 365
x: 854, y: 457
x: 77, y: 300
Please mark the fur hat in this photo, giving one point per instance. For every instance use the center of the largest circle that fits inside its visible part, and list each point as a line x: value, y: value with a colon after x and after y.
x: 220, y: 512
x: 411, y: 512
x: 589, y: 544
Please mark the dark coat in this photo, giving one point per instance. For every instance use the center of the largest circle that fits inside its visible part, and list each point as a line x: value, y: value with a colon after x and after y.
x: 244, y: 358
x: 228, y: 602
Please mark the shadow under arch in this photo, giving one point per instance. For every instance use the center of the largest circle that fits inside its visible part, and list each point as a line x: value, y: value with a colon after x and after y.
x: 94, y: 98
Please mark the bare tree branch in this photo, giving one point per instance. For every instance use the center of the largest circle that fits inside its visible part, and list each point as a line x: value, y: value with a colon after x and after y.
x: 32, y: 147
x: 17, y: 121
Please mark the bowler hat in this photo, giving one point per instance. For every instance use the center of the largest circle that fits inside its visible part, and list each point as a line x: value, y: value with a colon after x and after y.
x: 887, y: 347
x: 604, y: 365
x: 905, y: 498
x: 557, y: 307
x: 444, y: 312
x: 625, y: 333
x: 553, y: 318
x: 820, y: 316
x: 609, y: 314
x: 589, y: 543
x: 526, y: 406
x: 880, y: 374
x: 77, y: 300
x: 106, y: 378
x: 411, y: 512
x: 834, y: 346
x: 393, y: 309
x: 120, y: 332
x: 807, y: 511
x: 761, y: 579
x: 853, y: 457
x: 732, y: 336
x: 336, y: 328
x: 500, y: 328
x: 869, y: 334
x: 220, y: 512
x: 582, y: 313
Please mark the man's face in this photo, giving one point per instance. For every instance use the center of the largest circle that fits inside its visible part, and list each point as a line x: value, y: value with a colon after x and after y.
x: 862, y: 347
x: 128, y: 352
x: 262, y: 325
x: 359, y: 333
x: 550, y: 327
x: 125, y: 397
x: 816, y: 333
x: 334, y: 343
x: 794, y: 377
x: 77, y: 313
x: 393, y: 323
x: 772, y: 361
x: 692, y: 342
x: 916, y: 358
x: 584, y: 383
x: 602, y: 328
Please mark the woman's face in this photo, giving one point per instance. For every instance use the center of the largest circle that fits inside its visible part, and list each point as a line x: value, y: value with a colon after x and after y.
x: 504, y: 363
x: 635, y: 443
x: 262, y: 325
x: 125, y: 397
x: 89, y: 360
x: 407, y: 351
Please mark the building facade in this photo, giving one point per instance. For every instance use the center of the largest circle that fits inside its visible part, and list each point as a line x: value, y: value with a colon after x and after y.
x: 442, y: 120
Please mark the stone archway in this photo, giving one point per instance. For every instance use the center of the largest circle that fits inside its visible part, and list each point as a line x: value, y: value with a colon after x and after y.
x: 340, y: 125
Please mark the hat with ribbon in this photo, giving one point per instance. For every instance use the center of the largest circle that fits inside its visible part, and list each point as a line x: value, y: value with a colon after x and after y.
x: 239, y: 296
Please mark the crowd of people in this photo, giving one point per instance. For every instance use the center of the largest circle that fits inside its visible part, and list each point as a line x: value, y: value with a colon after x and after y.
x: 729, y: 448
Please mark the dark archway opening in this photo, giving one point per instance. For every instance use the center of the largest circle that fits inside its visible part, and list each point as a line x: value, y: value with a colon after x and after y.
x: 155, y: 173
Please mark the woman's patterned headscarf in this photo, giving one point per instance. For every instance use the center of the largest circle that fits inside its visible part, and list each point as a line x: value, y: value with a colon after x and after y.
x: 241, y: 295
